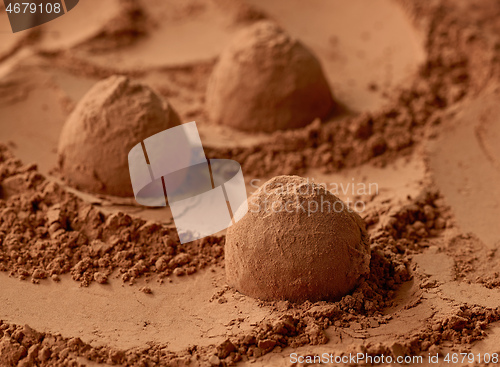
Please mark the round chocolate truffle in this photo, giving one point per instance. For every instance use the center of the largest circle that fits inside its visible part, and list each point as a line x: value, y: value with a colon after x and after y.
x: 266, y: 80
x: 114, y: 115
x: 297, y: 242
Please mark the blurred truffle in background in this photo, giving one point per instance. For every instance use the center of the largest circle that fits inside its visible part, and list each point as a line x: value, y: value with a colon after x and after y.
x: 265, y: 81
x: 114, y: 115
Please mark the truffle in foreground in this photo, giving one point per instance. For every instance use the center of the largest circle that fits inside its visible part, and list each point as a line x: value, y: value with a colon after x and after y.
x: 297, y: 242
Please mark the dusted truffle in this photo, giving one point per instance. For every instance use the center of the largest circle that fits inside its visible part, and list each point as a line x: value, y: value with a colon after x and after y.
x: 266, y: 81
x: 297, y: 242
x: 110, y: 119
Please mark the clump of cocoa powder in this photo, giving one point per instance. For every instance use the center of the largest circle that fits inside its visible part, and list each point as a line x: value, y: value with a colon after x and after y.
x: 39, y: 217
x: 24, y: 346
x: 46, y: 231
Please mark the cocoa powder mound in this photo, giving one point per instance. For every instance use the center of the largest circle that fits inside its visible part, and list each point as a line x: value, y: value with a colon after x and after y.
x: 111, y: 118
x: 46, y: 231
x: 391, y: 243
x: 24, y: 346
x: 267, y: 81
x: 283, y: 250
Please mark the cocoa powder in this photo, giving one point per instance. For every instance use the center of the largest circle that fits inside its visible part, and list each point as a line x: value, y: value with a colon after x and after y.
x: 46, y: 231
x: 75, y: 237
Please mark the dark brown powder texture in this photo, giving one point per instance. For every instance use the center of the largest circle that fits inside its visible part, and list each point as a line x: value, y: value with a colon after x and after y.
x: 295, y: 325
x: 46, y: 231
x: 109, y: 120
x: 298, y: 242
x: 38, y: 217
x: 24, y: 346
x: 267, y: 81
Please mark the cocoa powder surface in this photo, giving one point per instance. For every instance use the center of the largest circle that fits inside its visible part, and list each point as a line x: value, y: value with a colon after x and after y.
x: 46, y: 231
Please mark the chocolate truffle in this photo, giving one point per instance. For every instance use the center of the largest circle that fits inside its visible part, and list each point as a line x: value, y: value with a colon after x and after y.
x: 266, y: 80
x: 109, y: 120
x: 297, y: 242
